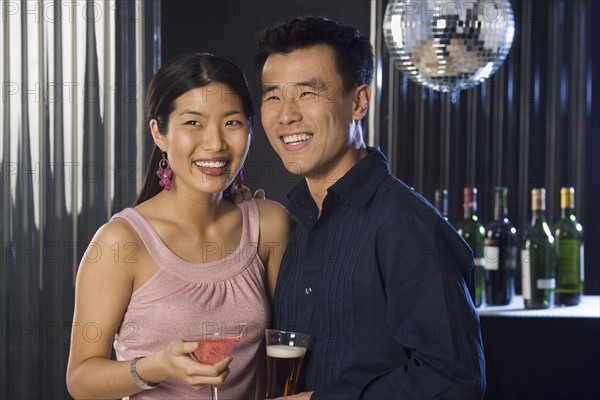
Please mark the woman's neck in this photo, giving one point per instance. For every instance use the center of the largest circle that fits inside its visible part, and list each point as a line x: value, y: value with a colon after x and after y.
x: 199, y: 210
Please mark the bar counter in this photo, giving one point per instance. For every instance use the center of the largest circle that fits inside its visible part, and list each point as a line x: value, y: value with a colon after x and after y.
x: 542, y: 354
x: 588, y: 308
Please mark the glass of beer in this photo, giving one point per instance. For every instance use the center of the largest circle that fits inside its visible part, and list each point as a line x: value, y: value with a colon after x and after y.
x: 285, y: 352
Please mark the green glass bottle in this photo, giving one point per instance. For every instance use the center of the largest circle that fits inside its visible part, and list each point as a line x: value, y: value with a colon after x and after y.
x: 538, y: 257
x: 500, y: 253
x: 569, y: 246
x: 473, y: 233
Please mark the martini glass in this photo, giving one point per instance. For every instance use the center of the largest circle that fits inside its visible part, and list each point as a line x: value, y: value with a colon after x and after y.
x: 215, y: 342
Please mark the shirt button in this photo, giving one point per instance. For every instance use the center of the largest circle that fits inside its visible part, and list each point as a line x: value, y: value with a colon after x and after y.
x: 307, y: 290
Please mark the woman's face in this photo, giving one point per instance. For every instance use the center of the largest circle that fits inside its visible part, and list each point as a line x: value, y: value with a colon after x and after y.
x: 207, y: 138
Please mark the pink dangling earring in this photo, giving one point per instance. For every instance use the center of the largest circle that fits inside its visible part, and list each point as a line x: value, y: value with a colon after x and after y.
x: 239, y: 179
x: 165, y: 173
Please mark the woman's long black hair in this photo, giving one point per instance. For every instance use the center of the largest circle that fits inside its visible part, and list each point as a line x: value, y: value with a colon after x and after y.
x: 184, y: 73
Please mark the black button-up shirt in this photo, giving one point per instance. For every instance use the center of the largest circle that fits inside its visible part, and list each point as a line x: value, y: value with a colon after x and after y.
x: 378, y: 281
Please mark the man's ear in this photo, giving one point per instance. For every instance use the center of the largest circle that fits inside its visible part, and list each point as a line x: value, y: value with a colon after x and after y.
x: 159, y: 138
x: 362, y: 96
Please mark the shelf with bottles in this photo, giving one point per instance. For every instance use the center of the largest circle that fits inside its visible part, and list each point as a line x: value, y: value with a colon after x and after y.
x: 551, y: 267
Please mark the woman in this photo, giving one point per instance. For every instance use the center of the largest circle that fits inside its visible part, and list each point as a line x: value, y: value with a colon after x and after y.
x: 184, y: 255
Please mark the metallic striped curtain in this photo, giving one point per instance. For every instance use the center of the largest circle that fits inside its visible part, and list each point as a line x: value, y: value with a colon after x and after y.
x: 73, y: 151
x: 526, y: 126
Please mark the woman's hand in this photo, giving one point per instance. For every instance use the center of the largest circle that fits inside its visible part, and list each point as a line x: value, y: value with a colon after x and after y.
x: 174, y: 362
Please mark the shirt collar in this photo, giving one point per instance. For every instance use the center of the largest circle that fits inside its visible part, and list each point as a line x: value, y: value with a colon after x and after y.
x: 357, y: 186
x: 360, y: 183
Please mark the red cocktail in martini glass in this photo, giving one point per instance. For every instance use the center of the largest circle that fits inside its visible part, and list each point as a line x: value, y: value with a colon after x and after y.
x: 215, y: 342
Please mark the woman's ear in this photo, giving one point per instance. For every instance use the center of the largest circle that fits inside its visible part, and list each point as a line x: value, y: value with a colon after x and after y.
x: 362, y: 96
x: 159, y: 138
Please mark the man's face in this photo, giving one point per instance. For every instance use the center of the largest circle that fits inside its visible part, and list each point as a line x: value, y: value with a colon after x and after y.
x: 306, y: 114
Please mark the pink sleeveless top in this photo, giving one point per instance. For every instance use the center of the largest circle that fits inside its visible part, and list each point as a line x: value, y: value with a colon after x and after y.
x: 225, y: 292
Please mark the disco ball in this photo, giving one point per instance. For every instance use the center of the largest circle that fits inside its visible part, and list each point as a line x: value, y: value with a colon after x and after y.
x: 448, y: 45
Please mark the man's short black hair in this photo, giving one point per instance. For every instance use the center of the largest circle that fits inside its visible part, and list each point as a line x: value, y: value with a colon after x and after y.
x: 353, y: 52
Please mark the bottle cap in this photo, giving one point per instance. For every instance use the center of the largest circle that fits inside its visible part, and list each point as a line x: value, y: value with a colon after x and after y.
x: 470, y: 198
x: 567, y: 197
x: 501, y: 198
x: 538, y: 199
x: 441, y: 201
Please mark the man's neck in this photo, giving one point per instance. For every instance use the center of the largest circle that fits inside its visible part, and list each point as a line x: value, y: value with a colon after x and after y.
x: 321, y: 180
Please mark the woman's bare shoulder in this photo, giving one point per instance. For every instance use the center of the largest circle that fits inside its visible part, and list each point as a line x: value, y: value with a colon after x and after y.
x: 273, y: 213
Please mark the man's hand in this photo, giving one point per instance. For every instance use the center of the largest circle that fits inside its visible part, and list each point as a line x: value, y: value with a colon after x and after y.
x: 297, y: 396
x: 243, y: 193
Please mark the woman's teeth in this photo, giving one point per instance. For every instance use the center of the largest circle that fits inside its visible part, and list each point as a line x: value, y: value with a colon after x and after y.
x: 210, y: 164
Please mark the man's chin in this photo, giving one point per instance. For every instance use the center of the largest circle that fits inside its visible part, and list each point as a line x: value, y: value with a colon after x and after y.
x: 295, y: 169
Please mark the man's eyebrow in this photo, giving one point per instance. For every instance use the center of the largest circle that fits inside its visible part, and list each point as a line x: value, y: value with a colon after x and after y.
x: 312, y: 83
x: 269, y: 88
x: 315, y: 84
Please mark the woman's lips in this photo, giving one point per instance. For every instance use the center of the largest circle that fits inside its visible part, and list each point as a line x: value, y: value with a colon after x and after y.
x: 212, y: 167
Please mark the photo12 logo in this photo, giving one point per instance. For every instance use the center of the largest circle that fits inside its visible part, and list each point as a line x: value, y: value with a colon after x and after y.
x: 69, y: 92
x: 489, y: 10
x: 68, y: 172
x: 70, y: 11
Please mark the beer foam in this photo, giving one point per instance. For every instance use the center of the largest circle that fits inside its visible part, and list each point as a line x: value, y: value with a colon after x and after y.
x: 283, y: 351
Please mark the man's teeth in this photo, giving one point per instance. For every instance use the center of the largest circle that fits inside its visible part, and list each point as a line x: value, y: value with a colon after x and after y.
x: 296, y: 139
x: 210, y: 164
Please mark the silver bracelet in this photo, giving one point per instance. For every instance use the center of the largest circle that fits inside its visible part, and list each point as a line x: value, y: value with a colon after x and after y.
x: 136, y: 378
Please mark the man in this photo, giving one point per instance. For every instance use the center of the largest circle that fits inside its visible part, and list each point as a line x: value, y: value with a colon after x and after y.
x: 372, y: 272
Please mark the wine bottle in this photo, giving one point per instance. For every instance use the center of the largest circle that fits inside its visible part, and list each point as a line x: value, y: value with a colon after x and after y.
x: 473, y: 233
x: 441, y: 202
x: 569, y: 245
x: 538, y: 256
x: 500, y: 253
